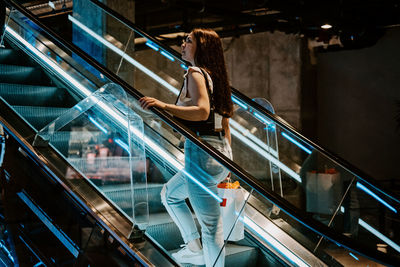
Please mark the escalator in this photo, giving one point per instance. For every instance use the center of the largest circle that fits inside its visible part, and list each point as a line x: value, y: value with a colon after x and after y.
x: 52, y: 117
x: 40, y: 99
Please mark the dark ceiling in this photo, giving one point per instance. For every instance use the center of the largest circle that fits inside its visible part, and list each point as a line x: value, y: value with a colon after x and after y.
x: 352, y: 20
x: 355, y: 22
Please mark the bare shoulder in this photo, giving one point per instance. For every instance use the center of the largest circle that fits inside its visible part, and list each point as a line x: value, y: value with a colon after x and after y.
x: 196, y: 75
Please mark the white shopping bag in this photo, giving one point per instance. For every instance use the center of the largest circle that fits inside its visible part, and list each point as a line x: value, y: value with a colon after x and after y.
x: 232, y: 202
x: 323, y: 191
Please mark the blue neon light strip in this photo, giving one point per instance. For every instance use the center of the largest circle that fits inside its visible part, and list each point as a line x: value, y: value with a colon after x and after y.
x: 101, y: 128
x: 242, y: 105
x: 375, y: 232
x: 152, y: 46
x: 273, y: 242
x: 202, y: 186
x: 369, y: 192
x: 296, y: 142
x: 29, y: 247
x: 7, y: 252
x: 247, y: 134
x: 53, y: 65
x: 122, y: 144
x: 354, y: 256
x: 184, y: 66
x: 44, y: 218
x: 165, y: 54
x: 267, y: 155
x: 379, y: 235
x: 124, y: 55
x: 261, y: 118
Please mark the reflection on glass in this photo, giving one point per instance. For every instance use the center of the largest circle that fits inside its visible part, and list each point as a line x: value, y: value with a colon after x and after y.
x: 94, y: 137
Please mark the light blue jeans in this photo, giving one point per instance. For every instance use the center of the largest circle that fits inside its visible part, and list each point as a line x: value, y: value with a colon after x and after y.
x: 200, y: 167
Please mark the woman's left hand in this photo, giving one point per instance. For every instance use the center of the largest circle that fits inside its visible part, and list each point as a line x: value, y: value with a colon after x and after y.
x: 148, y: 102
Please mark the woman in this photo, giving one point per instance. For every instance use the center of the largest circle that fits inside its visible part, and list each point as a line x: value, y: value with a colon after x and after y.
x: 205, y: 106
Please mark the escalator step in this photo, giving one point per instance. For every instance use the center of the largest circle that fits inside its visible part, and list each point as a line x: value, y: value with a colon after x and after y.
x: 238, y: 256
x: 60, y: 140
x: 12, y: 57
x: 35, y: 95
x: 164, y: 231
x: 120, y: 195
x: 39, y: 117
x: 23, y: 75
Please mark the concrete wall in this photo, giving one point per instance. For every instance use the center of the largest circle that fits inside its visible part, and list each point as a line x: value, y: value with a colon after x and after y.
x: 357, y: 92
x: 268, y: 65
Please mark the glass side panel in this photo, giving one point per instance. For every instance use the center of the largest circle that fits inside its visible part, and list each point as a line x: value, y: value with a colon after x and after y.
x: 126, y: 52
x: 94, y: 137
x: 83, y: 131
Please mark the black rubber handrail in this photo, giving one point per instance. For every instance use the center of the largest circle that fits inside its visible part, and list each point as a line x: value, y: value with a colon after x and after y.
x: 283, y: 204
x: 282, y: 123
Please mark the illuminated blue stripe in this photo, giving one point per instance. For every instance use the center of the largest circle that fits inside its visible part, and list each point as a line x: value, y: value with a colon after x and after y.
x: 124, y: 55
x: 354, y: 256
x: 165, y: 54
x: 379, y: 235
x: 273, y: 242
x: 122, y: 144
x: 242, y: 105
x: 266, y: 155
x: 78, y: 108
x: 29, y: 247
x: 46, y: 221
x: 151, y: 45
x: 203, y: 186
x: 296, y: 142
x: 246, y: 133
x: 184, y: 66
x: 261, y: 118
x: 375, y: 232
x: 49, y: 62
x: 7, y: 252
x: 369, y: 192
x: 101, y: 128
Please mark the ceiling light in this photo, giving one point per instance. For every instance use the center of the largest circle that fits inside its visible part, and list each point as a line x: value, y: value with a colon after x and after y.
x: 326, y: 26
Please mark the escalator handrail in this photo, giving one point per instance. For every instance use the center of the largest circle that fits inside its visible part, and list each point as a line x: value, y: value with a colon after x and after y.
x: 291, y: 210
x: 278, y: 120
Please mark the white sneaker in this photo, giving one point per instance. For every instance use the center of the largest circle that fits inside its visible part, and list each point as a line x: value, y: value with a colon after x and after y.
x: 185, y: 255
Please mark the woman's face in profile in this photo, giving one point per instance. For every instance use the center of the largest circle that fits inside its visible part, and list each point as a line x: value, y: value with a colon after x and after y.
x: 189, y: 48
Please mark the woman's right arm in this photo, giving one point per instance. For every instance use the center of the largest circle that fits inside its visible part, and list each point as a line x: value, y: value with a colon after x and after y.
x: 198, y: 93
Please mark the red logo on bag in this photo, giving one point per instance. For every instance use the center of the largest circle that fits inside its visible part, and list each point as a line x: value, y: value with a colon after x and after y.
x: 223, y: 203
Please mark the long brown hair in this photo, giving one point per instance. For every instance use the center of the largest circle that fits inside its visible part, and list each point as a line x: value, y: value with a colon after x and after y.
x: 209, y: 55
